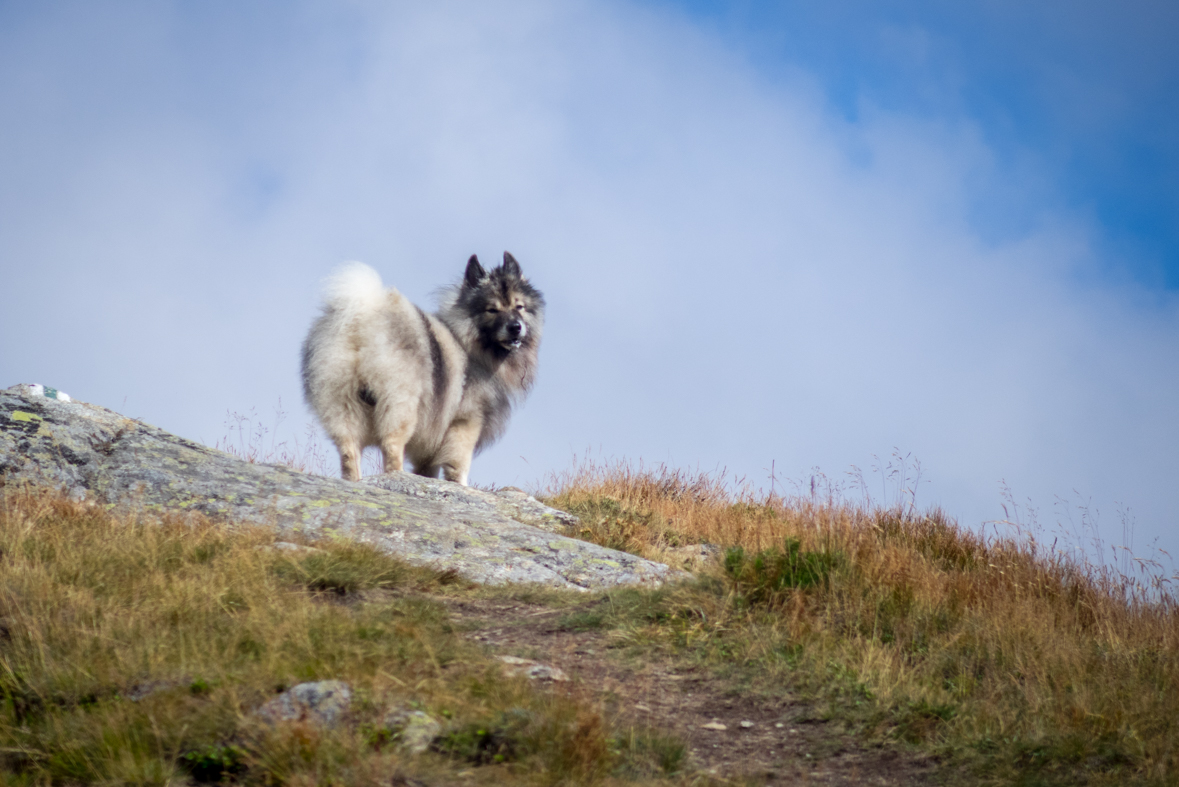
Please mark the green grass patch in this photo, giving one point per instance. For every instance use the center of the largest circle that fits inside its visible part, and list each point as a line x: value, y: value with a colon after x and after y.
x: 770, y: 575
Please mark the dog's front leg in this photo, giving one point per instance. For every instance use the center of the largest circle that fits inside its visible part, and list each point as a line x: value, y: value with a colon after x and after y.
x: 457, y: 449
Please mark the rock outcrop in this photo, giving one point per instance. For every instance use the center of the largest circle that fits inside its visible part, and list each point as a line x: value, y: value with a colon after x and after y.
x: 48, y: 439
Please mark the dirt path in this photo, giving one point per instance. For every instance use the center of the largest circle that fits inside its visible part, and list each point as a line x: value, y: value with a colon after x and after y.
x: 778, y: 740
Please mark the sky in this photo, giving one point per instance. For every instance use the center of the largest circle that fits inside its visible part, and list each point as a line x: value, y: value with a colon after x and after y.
x: 779, y: 238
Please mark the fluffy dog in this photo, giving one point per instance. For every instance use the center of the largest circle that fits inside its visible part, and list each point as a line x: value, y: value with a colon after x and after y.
x: 433, y: 388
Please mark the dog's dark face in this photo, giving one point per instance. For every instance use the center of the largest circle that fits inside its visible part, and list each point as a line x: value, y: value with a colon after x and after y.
x: 507, y: 311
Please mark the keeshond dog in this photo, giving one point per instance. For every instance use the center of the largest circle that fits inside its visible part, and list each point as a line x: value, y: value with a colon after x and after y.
x: 433, y: 388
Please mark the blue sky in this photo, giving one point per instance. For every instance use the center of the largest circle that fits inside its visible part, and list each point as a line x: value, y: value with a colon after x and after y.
x: 1087, y: 92
x: 769, y: 235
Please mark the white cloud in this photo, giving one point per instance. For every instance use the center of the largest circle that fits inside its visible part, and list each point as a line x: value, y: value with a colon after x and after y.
x: 735, y: 275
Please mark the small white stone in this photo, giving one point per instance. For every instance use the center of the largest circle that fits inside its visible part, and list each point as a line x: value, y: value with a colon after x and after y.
x: 746, y: 724
x: 532, y: 669
x: 515, y: 660
x: 713, y: 725
x: 545, y: 672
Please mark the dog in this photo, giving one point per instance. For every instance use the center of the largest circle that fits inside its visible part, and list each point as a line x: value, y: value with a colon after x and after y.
x: 433, y: 388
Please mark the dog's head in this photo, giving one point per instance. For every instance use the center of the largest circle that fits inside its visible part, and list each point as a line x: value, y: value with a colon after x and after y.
x: 507, y: 311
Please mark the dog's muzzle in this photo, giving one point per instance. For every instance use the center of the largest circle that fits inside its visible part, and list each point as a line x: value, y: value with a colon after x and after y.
x: 516, y: 330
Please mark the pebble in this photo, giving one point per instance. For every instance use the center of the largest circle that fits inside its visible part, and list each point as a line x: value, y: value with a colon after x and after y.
x: 746, y: 724
x: 532, y: 669
x: 713, y: 725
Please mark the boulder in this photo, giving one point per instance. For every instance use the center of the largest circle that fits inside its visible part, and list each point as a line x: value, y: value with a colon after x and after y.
x: 91, y: 451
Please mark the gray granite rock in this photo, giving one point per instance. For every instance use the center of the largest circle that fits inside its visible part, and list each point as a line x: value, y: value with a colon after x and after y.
x: 322, y: 702
x: 487, y: 537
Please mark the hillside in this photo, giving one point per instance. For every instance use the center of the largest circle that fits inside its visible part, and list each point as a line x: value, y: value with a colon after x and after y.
x: 1009, y: 662
x: 810, y: 640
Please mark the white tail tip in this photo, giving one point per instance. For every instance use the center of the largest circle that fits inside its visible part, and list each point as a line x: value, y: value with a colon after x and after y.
x: 353, y: 285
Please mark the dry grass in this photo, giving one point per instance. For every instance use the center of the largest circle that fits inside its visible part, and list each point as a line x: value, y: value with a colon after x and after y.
x: 1008, y: 655
x: 134, y: 649
x: 249, y: 438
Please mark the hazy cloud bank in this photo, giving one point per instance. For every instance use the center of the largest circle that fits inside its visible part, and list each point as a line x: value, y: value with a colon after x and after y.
x: 737, y: 275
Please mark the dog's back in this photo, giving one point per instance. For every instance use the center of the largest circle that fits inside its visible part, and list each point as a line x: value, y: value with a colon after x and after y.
x: 376, y: 369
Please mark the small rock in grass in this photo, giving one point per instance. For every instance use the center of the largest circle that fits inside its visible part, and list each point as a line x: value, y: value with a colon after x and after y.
x: 322, y: 702
x: 532, y: 670
x: 415, y: 729
x: 746, y: 724
x: 692, y: 556
x: 713, y: 725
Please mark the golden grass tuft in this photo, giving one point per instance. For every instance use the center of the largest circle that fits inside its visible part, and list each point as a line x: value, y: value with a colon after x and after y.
x: 918, y: 628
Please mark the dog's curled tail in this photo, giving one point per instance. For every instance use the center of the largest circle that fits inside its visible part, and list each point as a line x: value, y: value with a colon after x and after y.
x: 353, y: 287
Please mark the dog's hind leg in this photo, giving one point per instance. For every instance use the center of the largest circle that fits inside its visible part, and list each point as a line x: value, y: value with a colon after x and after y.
x: 394, y: 431
x: 346, y: 429
x: 349, y: 459
x: 393, y: 450
x: 457, y: 449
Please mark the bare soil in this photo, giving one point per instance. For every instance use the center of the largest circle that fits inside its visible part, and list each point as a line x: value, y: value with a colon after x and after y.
x: 765, y: 740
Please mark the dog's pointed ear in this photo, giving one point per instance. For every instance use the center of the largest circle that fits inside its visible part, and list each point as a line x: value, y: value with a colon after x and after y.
x: 475, y: 272
x: 511, y: 267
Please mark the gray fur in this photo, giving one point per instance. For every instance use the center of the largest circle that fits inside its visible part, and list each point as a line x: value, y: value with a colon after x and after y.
x: 437, y: 363
x: 435, y: 389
